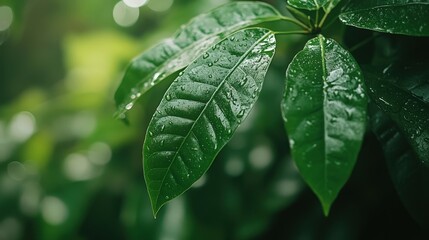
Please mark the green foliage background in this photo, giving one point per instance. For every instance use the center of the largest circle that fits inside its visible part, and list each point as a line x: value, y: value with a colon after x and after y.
x: 69, y: 170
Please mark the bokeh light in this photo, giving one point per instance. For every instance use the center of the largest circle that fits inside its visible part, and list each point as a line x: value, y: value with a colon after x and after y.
x: 160, y: 5
x: 135, y: 3
x: 54, y: 211
x: 125, y: 15
x: 6, y: 17
x: 22, y: 126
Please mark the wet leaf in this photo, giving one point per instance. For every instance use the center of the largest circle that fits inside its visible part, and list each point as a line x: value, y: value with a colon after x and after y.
x: 408, y: 110
x: 201, y: 110
x: 324, y: 110
x: 190, y: 41
x: 409, y: 175
x: 327, y: 5
x: 408, y: 17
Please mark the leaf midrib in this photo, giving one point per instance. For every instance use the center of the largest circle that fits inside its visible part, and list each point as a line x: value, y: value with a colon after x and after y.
x: 325, y: 102
x: 205, y: 107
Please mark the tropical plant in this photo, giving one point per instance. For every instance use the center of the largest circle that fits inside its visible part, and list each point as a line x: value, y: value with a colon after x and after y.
x: 226, y: 53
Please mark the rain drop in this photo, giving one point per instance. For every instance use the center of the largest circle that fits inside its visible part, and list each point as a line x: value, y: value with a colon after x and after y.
x: 150, y: 133
x: 129, y: 106
x: 162, y: 128
x: 243, y: 82
x: 168, y: 97
x: 206, y: 55
x: 241, y: 113
x: 210, y: 64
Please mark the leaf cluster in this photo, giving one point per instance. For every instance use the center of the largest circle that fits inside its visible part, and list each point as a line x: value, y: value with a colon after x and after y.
x: 225, y: 60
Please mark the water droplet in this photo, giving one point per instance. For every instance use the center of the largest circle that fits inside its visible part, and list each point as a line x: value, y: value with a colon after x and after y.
x: 161, y: 143
x: 181, y: 73
x: 162, y: 128
x: 129, y: 106
x: 230, y: 131
x: 206, y: 55
x: 210, y: 64
x: 210, y: 75
x: 243, y: 82
x: 241, y: 113
x: 150, y: 133
x: 232, y: 38
x: 182, y: 88
x: 167, y: 197
x: 168, y: 97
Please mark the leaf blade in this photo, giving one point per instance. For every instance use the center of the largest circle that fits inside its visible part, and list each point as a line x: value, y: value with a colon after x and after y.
x: 201, y: 110
x: 324, y: 110
x: 190, y: 41
x: 383, y: 15
x: 327, y: 5
x: 409, y: 176
x: 409, y: 110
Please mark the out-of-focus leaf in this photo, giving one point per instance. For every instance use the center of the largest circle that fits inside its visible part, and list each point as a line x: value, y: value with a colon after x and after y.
x: 409, y: 111
x: 201, y: 110
x: 409, y: 175
x: 324, y: 110
x: 190, y: 41
x: 408, y: 17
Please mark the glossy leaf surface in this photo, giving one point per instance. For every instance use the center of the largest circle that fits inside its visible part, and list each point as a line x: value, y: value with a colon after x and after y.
x: 409, y: 175
x: 189, y: 42
x: 407, y: 109
x: 201, y: 110
x: 408, y: 17
x: 324, y: 110
x: 314, y: 4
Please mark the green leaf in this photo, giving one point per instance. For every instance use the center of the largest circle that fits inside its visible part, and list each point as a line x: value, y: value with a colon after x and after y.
x: 189, y: 42
x: 408, y: 17
x: 201, y: 110
x: 327, y: 5
x: 409, y: 111
x: 324, y: 110
x: 410, y: 177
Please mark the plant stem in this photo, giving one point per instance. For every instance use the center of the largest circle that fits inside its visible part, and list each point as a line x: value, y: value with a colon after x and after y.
x: 292, y: 20
x: 317, y: 17
x: 291, y: 32
x: 296, y: 11
x: 323, y: 19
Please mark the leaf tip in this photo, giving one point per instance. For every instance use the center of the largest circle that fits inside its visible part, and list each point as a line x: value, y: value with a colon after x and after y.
x: 326, y: 208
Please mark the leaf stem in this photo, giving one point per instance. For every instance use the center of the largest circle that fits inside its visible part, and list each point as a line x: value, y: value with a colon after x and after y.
x: 297, y: 12
x: 299, y: 23
x: 291, y: 32
x: 317, y: 17
x: 325, y: 16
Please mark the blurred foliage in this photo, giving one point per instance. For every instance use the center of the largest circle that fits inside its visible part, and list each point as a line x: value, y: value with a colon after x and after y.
x: 68, y: 170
